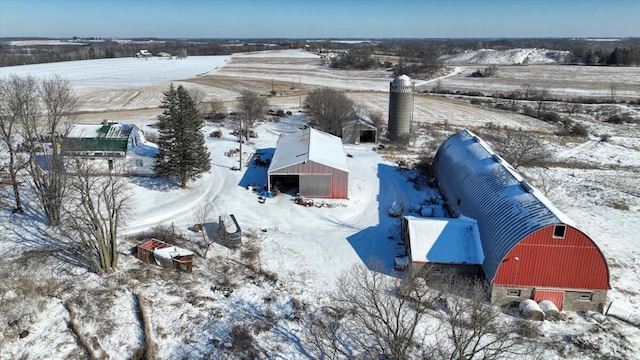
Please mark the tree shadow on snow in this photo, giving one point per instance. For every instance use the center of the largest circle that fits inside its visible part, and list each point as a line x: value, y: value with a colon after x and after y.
x: 256, y: 169
x: 154, y: 183
x: 30, y: 232
x: 377, y: 245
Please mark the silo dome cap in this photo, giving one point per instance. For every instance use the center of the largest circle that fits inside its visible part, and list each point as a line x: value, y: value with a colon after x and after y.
x: 402, y: 80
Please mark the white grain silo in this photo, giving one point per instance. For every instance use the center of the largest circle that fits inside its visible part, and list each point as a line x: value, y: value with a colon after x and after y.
x: 400, y: 108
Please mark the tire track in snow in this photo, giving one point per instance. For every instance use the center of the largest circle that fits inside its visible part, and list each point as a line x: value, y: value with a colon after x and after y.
x: 577, y: 149
x: 212, y: 190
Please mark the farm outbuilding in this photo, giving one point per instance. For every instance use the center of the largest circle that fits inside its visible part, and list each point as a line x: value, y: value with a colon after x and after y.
x: 452, y: 243
x: 311, y: 161
x: 359, y: 130
x: 531, y: 249
x: 122, y: 147
x: 154, y: 251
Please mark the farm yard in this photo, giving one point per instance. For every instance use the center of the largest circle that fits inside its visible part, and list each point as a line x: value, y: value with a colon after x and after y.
x: 292, y: 256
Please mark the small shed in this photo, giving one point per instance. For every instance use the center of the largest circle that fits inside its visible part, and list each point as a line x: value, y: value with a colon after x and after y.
x: 359, y: 130
x: 311, y: 161
x: 447, y: 242
x: 154, y: 251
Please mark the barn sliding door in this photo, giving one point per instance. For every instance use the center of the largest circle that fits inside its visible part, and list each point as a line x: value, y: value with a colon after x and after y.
x: 315, y: 185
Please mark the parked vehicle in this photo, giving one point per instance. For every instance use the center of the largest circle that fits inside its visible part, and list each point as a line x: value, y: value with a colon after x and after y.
x: 303, y: 201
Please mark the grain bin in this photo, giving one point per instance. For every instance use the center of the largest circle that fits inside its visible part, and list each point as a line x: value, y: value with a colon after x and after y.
x: 400, y: 108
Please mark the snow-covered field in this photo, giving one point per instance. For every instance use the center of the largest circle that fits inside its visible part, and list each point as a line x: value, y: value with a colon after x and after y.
x: 561, y: 81
x: 307, y: 248
x: 121, y: 72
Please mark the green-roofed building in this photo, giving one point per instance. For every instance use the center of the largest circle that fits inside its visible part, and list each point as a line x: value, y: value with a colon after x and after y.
x: 114, y: 142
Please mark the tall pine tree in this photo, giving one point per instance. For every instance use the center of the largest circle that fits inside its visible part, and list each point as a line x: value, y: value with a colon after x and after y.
x: 182, y: 155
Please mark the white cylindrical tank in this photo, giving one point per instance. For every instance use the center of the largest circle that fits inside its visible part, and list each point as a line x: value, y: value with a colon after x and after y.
x: 400, y: 108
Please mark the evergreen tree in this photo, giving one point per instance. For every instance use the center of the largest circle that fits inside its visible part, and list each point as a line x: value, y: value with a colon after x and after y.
x: 182, y: 155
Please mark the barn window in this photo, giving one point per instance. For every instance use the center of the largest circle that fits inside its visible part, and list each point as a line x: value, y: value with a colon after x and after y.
x: 585, y: 297
x: 139, y: 162
x: 559, y: 231
x: 514, y: 292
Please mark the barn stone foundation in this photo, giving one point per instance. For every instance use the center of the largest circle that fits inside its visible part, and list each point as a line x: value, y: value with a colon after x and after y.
x: 574, y: 300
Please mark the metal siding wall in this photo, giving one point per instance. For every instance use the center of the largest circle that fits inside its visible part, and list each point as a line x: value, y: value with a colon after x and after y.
x: 340, y: 185
x: 574, y: 262
x: 339, y: 180
x: 315, y: 185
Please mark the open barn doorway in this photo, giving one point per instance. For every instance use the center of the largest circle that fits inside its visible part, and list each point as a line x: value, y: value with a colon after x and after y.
x: 368, y: 136
x: 289, y: 184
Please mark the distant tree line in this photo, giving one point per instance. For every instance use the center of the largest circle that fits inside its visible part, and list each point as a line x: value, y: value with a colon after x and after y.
x: 419, y: 57
x: 358, y: 59
x: 11, y: 55
x: 617, y: 57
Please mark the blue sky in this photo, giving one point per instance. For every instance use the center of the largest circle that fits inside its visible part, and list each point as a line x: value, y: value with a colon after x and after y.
x: 320, y: 18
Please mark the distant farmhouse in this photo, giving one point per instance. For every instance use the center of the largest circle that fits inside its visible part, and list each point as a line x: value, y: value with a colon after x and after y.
x: 313, y: 162
x: 528, y: 248
x: 119, y: 146
x: 143, y: 54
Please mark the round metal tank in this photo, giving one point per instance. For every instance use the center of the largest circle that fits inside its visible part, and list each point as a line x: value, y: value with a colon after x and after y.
x: 400, y: 107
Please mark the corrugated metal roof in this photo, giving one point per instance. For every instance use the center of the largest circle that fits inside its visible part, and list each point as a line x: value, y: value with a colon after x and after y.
x: 481, y: 185
x: 309, y: 145
x: 444, y: 241
x: 105, y: 138
x: 108, y: 131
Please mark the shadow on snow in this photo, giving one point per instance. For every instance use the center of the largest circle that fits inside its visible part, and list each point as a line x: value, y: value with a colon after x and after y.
x: 377, y: 245
x: 255, y: 174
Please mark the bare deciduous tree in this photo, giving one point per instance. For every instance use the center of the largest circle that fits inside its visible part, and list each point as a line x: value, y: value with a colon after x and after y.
x: 182, y: 54
x: 613, y: 90
x: 526, y: 91
x: 18, y: 104
x: 540, y: 95
x: 377, y: 119
x: 204, y: 215
x: 94, y: 212
x: 329, y: 110
x: 519, y: 148
x: 375, y: 315
x: 251, y: 107
x: 472, y: 329
x: 572, y: 108
x: 196, y: 95
x: 46, y: 131
x: 217, y: 110
x: 548, y: 183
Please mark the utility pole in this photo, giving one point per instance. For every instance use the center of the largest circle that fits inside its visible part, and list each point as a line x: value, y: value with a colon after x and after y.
x: 241, y: 130
x: 300, y: 92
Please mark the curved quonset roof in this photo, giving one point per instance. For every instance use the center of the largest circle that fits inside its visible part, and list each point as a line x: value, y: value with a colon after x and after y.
x: 481, y: 185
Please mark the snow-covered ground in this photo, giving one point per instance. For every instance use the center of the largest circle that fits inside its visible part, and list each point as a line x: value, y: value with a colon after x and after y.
x: 307, y: 248
x: 507, y: 57
x: 561, y: 80
x: 121, y: 72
